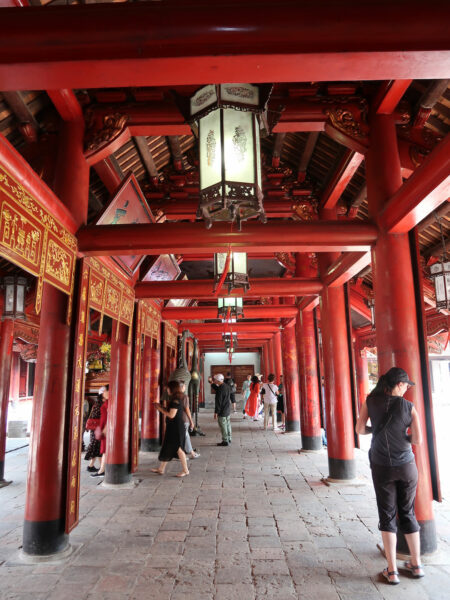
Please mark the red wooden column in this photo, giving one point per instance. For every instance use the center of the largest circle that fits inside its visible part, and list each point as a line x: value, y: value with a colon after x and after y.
x: 43, y: 530
x: 395, y: 310
x: 150, y: 434
x: 271, y: 356
x: 6, y: 343
x: 307, y: 358
x: 338, y: 400
x: 362, y: 374
x: 290, y: 371
x: 278, y: 356
x: 146, y: 425
x: 266, y: 370
x: 118, y: 426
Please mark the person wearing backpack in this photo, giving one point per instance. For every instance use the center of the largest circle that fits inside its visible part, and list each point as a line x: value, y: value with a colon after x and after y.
x: 232, y: 385
x: 394, y: 471
x: 269, y: 392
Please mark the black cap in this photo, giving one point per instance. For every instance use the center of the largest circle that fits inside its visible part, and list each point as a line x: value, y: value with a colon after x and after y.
x: 398, y: 375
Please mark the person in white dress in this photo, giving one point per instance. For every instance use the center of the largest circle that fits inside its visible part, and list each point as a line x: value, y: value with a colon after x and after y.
x: 269, y: 392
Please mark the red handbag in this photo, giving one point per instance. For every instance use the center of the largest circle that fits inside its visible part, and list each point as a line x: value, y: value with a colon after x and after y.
x: 91, y: 424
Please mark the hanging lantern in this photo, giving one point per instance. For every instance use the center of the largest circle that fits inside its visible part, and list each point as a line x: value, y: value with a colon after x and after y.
x: 227, y: 117
x: 237, y: 276
x: 14, y: 304
x: 230, y: 341
x: 370, y: 301
x: 440, y: 273
x: 229, y: 309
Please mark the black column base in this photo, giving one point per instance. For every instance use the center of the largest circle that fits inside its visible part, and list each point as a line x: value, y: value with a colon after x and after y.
x: 341, y: 468
x: 311, y: 442
x: 2, y: 470
x: 116, y: 474
x: 428, y: 539
x: 150, y: 445
x: 43, y: 538
x: 292, y: 426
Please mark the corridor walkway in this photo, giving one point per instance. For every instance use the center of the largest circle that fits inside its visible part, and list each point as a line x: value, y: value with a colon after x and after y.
x: 252, y: 521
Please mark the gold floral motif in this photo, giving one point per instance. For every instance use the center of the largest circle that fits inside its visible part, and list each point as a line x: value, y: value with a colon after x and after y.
x: 58, y: 263
x: 19, y: 234
x: 35, y: 209
x: 112, y: 300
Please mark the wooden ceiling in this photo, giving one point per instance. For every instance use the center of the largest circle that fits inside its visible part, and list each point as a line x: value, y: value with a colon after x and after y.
x: 19, y: 108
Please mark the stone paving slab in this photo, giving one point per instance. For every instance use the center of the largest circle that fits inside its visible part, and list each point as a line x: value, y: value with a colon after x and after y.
x: 253, y: 521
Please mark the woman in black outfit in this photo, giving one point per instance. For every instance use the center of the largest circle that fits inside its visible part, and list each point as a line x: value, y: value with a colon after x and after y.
x: 175, y: 435
x: 394, y: 471
x: 93, y: 450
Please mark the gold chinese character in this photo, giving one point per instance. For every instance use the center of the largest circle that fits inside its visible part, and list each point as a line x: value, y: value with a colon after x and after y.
x: 79, y: 363
x: 81, y: 339
x: 74, y: 458
x: 72, y: 507
x: 77, y: 385
x: 73, y: 481
x: 75, y: 432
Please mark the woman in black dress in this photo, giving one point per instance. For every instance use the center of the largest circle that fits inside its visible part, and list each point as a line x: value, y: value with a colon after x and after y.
x: 175, y: 436
x: 93, y: 450
x: 394, y: 471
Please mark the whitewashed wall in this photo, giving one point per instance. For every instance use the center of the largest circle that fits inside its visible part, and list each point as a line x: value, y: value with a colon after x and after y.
x: 221, y: 358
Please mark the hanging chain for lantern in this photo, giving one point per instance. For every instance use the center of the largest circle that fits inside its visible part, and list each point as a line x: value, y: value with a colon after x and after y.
x: 440, y: 273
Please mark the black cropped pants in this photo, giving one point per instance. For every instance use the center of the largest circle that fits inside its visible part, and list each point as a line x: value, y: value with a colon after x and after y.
x: 395, y: 490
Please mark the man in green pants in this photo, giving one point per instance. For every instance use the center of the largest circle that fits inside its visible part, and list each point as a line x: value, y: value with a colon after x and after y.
x: 222, y: 407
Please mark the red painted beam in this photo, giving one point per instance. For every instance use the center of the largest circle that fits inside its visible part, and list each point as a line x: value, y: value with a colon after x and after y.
x: 345, y: 267
x: 345, y: 171
x: 180, y: 238
x: 359, y: 306
x: 265, y: 311
x: 244, y: 328
x: 389, y: 95
x: 426, y: 189
x: 19, y: 169
x: 308, y: 303
x: 203, y: 288
x: 66, y: 104
x: 146, y: 44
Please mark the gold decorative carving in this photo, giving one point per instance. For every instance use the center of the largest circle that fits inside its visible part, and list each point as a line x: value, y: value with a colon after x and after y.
x: 111, y: 126
x: 58, y: 263
x: 344, y: 120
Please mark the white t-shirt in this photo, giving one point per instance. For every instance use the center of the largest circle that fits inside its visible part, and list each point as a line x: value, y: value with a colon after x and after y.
x: 270, y: 397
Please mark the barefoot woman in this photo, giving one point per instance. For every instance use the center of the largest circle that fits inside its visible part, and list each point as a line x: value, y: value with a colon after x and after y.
x: 175, y: 436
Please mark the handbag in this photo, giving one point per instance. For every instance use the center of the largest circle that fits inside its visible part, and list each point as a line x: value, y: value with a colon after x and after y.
x: 98, y: 433
x: 91, y: 424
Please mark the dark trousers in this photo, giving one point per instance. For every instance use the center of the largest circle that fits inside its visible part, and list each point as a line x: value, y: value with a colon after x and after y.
x: 395, y: 490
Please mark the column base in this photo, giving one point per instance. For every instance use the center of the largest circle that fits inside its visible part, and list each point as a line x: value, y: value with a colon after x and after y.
x: 292, y: 426
x: 311, y: 442
x: 44, y: 538
x: 150, y: 445
x: 115, y: 474
x: 428, y: 540
x: 340, y: 468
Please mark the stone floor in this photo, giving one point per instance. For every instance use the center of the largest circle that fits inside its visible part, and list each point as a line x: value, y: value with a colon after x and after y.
x: 252, y: 521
